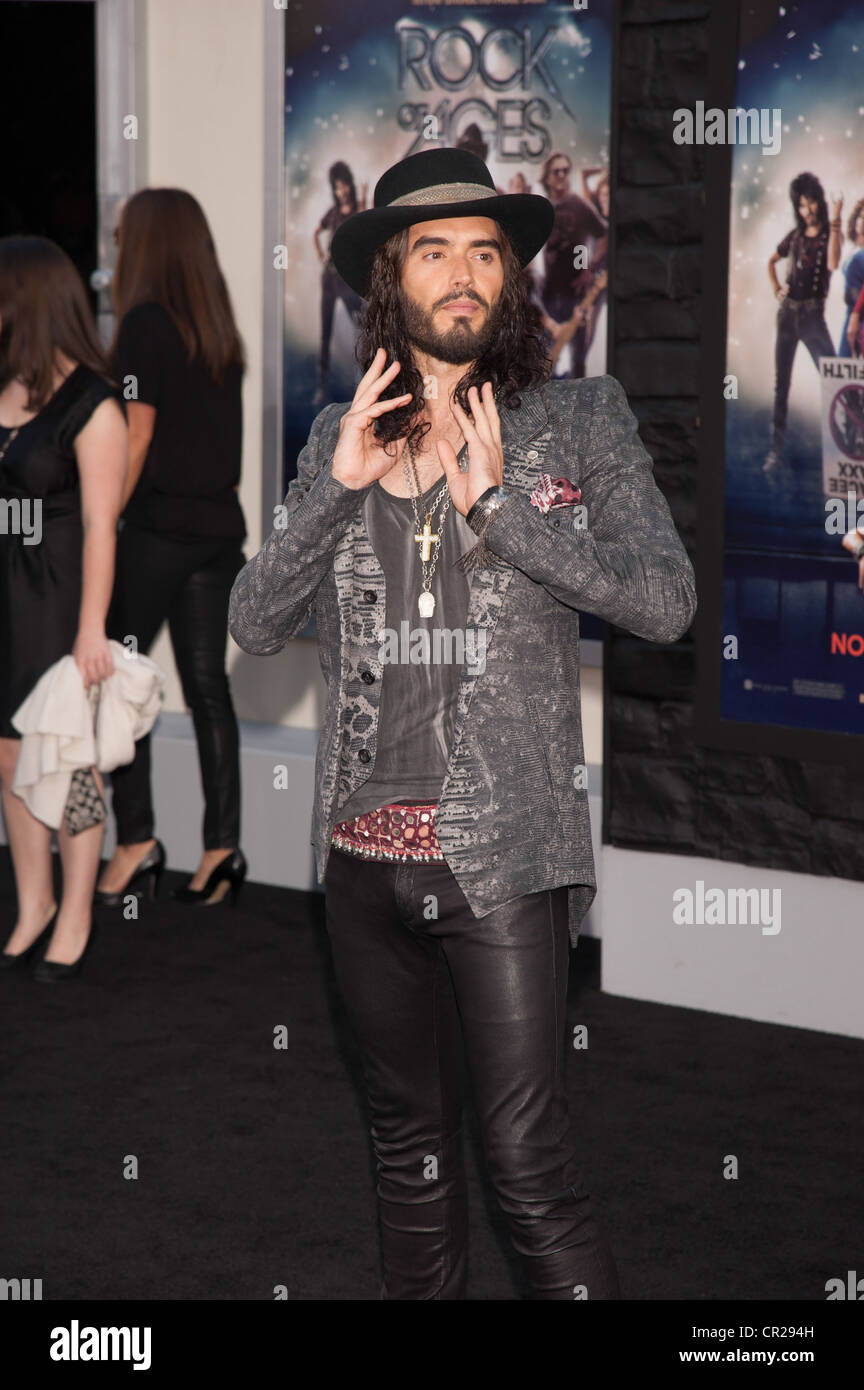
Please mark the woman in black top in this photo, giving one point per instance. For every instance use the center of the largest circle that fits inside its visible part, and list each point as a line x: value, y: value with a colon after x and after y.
x: 179, y: 358
x: 63, y: 451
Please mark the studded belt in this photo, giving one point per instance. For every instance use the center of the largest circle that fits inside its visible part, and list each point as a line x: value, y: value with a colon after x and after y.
x: 391, y: 832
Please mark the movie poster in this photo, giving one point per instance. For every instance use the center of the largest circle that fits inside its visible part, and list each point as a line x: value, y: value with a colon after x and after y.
x: 525, y: 86
x: 793, y: 612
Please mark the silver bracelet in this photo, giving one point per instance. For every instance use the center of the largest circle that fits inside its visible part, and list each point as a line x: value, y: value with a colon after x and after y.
x: 484, y: 508
x: 480, y: 518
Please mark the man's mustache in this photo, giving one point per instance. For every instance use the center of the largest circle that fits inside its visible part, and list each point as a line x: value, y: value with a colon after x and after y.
x: 464, y: 294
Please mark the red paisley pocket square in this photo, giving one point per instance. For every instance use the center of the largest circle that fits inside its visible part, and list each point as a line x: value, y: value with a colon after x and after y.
x: 554, y: 492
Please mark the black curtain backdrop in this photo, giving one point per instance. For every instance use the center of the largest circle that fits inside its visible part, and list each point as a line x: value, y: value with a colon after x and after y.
x: 49, y: 127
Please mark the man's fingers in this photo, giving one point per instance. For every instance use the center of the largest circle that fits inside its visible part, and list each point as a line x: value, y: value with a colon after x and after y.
x: 374, y: 369
x: 492, y: 411
x: 374, y: 390
x: 478, y: 411
x: 371, y: 412
x: 447, y: 455
x: 464, y: 421
x: 369, y: 384
x: 371, y: 373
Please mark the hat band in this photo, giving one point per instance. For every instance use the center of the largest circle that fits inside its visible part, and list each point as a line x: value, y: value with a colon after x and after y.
x: 444, y: 193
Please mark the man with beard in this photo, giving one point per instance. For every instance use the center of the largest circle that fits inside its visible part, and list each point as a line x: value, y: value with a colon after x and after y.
x: 813, y: 253
x: 451, y: 826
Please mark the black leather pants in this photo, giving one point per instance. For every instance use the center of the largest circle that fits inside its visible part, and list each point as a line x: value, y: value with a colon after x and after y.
x: 421, y: 978
x: 796, y: 323
x: 187, y: 582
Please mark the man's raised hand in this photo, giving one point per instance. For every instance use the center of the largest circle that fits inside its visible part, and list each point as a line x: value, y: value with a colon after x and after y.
x: 359, y: 459
x: 482, y: 432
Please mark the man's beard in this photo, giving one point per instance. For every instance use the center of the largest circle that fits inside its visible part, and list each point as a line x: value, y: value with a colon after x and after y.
x: 457, y: 346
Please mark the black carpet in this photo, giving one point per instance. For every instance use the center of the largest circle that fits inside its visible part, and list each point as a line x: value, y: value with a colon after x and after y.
x: 254, y: 1165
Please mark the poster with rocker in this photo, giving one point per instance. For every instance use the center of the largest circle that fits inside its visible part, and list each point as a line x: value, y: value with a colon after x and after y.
x: 792, y: 654
x: 526, y: 86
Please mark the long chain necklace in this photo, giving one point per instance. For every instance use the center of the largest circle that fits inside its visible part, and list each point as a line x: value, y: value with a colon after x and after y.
x: 425, y: 536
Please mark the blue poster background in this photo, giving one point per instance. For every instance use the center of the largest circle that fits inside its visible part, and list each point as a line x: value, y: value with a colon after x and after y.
x: 791, y: 594
x: 520, y: 81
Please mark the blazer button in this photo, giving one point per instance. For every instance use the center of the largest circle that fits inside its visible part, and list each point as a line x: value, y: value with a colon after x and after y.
x: 364, y: 755
x: 367, y: 676
x: 369, y: 595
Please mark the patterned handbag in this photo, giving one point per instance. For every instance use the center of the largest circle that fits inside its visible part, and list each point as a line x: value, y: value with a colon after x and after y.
x: 85, y: 805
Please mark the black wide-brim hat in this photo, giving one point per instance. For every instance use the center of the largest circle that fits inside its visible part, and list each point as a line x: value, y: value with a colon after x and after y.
x: 429, y: 186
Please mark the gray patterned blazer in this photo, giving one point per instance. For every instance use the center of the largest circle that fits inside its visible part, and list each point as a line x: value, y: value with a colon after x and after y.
x: 513, y: 809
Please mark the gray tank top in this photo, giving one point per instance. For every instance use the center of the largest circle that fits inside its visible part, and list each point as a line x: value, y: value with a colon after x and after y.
x: 419, y: 695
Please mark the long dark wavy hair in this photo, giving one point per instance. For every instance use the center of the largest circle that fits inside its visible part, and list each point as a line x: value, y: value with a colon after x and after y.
x: 44, y: 310
x: 341, y: 171
x: 517, y: 360
x: 808, y: 186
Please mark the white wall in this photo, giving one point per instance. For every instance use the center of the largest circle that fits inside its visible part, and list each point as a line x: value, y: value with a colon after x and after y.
x: 807, y: 975
x: 206, y: 134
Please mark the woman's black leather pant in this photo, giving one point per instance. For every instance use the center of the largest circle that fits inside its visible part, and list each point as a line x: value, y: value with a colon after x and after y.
x: 186, y: 582
x: 422, y: 978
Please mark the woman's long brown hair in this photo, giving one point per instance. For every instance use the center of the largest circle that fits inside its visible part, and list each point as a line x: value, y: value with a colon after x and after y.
x: 167, y: 255
x: 43, y: 311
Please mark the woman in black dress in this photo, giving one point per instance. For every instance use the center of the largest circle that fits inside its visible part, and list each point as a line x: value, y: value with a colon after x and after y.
x: 179, y: 359
x: 63, y: 441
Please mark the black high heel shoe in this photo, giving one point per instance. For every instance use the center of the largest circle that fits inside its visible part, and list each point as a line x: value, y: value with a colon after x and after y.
x: 230, y: 870
x: 13, y: 961
x: 49, y: 972
x: 150, y: 868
